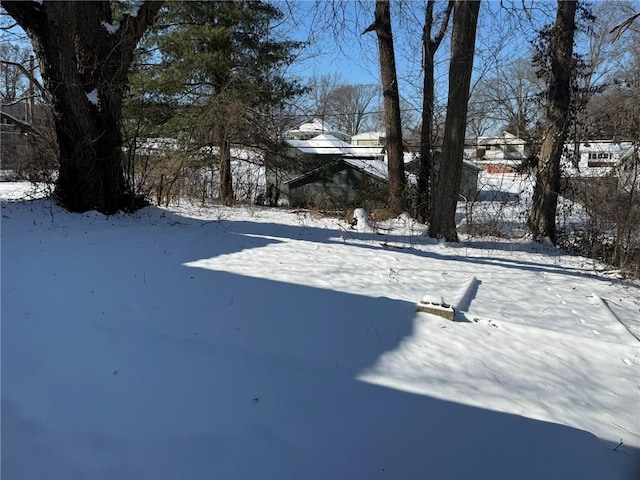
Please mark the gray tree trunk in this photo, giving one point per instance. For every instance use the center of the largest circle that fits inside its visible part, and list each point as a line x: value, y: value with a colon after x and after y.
x: 85, y: 70
x: 465, y: 19
x: 425, y: 172
x: 542, y: 218
x: 391, y: 99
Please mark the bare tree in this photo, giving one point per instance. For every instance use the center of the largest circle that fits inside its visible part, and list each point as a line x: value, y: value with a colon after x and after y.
x: 391, y: 98
x: 349, y: 106
x: 319, y: 91
x: 465, y: 20
x: 14, y: 73
x: 429, y: 47
x: 508, y: 99
x: 558, y: 47
x: 84, y: 58
x: 604, y: 59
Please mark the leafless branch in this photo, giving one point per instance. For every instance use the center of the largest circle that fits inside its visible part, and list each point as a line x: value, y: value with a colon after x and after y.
x: 24, y: 70
x: 618, y: 30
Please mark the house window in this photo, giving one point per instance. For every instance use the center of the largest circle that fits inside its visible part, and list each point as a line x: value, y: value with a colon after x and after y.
x: 600, y: 156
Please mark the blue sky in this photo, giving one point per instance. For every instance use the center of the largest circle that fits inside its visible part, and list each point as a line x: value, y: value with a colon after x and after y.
x: 339, y: 47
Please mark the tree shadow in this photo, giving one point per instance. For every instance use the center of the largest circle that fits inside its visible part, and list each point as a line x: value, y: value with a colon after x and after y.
x: 172, y: 371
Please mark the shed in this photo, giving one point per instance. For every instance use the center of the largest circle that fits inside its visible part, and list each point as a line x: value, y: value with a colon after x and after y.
x: 341, y: 183
x: 468, y: 181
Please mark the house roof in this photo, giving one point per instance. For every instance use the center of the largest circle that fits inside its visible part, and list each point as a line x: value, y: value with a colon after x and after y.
x: 376, y: 168
x: 373, y: 168
x: 597, y: 146
x: 323, y: 144
x: 505, y: 138
x: 316, y: 126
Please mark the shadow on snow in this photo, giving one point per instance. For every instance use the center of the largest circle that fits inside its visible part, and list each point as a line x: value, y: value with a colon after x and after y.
x: 221, y: 375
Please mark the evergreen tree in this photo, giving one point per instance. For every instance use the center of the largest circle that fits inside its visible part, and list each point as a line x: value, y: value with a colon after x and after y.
x: 219, y: 66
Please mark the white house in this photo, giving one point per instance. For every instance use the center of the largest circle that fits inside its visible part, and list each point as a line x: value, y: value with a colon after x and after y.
x: 309, y: 130
x: 368, y: 139
x: 500, y: 153
x: 594, y: 158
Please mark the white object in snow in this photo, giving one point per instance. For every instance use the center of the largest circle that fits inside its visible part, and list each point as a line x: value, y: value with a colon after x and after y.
x: 361, y: 221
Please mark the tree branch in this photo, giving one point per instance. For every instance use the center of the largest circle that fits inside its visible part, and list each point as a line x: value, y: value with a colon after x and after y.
x: 26, y: 14
x: 137, y: 22
x: 24, y: 70
x: 370, y: 28
x: 444, y: 24
x: 618, y: 30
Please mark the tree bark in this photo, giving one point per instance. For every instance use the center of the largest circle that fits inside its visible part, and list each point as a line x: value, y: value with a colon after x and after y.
x: 542, y: 218
x: 425, y: 172
x: 85, y: 70
x: 465, y: 19
x: 226, y: 182
x: 391, y: 99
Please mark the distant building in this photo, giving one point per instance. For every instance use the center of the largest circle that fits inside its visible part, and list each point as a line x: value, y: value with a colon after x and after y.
x: 498, y: 154
x: 14, y: 146
x: 368, y: 139
x: 468, y: 180
x: 326, y: 171
x: 593, y: 158
x: 309, y: 130
x: 341, y: 183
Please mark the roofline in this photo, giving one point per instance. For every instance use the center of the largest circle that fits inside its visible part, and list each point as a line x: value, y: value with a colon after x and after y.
x: 335, y: 162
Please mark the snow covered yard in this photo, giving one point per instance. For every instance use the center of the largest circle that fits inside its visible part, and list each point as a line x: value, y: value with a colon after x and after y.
x: 255, y: 343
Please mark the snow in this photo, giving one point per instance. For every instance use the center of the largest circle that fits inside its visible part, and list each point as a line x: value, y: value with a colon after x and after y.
x: 111, y: 28
x: 262, y: 343
x: 93, y: 97
x: 323, y: 144
x: 135, y: 9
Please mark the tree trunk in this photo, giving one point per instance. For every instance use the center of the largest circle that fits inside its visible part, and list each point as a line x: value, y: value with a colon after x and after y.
x: 391, y: 98
x: 542, y: 219
x: 226, y: 181
x: 465, y: 19
x: 85, y: 70
x: 425, y: 172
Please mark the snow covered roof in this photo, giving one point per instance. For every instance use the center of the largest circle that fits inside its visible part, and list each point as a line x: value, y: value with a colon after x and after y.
x: 323, y: 144
x: 505, y: 138
x: 597, y: 146
x: 315, y: 126
x: 377, y: 168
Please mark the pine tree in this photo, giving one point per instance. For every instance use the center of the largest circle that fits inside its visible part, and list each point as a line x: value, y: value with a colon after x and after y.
x: 221, y: 66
